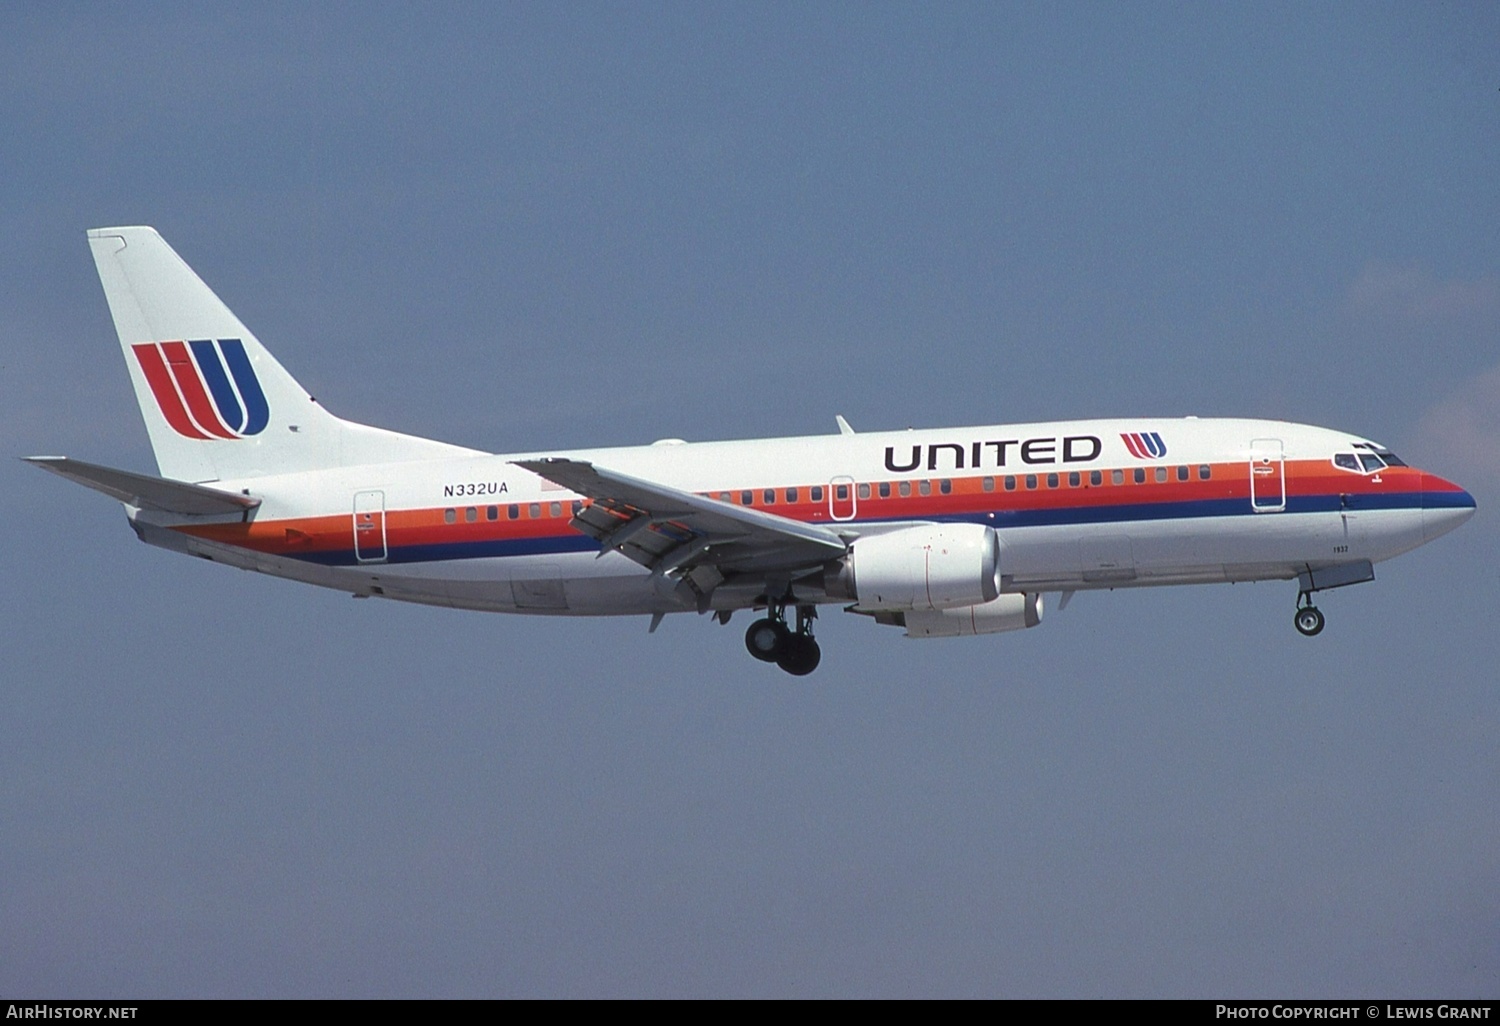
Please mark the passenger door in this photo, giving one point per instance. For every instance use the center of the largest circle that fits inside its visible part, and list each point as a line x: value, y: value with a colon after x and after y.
x: 1267, y: 476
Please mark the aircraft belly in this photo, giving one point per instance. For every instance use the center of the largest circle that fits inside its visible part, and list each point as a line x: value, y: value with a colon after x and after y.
x: 1141, y: 553
x: 557, y: 585
x: 1181, y: 551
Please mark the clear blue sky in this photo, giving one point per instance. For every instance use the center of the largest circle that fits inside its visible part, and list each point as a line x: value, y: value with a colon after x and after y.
x: 519, y: 227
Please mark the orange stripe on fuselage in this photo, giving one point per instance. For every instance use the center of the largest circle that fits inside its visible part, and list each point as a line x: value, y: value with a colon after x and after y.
x: 294, y: 536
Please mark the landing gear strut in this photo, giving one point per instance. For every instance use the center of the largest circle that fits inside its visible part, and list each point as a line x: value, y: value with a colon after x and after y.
x: 1309, y: 619
x: 771, y: 641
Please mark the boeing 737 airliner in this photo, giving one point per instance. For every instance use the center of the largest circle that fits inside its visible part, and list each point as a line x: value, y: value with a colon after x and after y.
x: 940, y: 532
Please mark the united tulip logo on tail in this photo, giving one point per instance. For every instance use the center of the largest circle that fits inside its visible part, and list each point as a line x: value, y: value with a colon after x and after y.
x: 205, y: 389
x: 1144, y: 445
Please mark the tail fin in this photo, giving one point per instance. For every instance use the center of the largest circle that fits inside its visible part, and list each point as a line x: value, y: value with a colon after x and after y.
x: 217, y: 405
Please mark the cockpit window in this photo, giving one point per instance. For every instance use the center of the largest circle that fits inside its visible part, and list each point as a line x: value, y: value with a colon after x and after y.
x: 1377, y: 457
x: 1346, y: 461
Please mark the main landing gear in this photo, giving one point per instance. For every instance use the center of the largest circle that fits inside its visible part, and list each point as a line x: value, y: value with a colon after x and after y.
x: 771, y: 641
x: 1309, y: 619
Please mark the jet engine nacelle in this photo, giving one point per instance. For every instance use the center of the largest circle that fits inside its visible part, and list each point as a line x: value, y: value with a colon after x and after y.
x: 1005, y: 613
x: 936, y: 566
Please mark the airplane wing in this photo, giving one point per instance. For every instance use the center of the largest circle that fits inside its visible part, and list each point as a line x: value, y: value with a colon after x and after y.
x: 158, y: 493
x: 669, y: 531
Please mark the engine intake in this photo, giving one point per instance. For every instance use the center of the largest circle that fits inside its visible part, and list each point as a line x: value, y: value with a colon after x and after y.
x: 935, y: 566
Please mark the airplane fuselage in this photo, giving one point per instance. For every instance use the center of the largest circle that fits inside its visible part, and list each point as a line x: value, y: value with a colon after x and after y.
x: 1076, y: 505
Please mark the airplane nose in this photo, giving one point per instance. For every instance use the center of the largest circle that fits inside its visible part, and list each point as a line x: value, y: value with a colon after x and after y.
x: 1444, y: 506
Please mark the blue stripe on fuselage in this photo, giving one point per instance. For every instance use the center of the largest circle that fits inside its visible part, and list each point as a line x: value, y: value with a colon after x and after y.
x: 1448, y: 500
x: 484, y: 548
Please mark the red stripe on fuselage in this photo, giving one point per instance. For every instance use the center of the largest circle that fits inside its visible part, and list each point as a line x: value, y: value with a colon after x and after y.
x: 160, y: 379
x: 198, y: 402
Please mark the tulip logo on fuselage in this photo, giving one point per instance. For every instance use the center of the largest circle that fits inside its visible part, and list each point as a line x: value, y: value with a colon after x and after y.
x: 1144, y: 445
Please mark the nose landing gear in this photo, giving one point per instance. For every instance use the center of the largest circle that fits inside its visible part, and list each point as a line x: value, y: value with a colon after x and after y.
x: 1308, y: 618
x: 771, y: 641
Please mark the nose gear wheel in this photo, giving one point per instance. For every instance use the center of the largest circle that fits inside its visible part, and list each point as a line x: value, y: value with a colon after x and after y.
x: 1309, y: 620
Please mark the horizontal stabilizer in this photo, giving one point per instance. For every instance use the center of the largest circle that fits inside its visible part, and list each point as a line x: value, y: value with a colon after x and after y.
x: 145, y: 491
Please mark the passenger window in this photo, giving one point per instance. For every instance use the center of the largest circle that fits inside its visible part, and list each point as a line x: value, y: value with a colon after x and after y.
x: 791, y: 495
x: 450, y: 516
x: 1051, y: 480
x: 1010, y: 483
x: 1140, y: 475
x: 885, y: 489
x: 1161, y: 474
x: 945, y: 486
x: 816, y: 491
x: 1182, y: 473
x: 513, y: 511
x: 746, y: 498
x: 492, y: 513
x: 864, y: 491
x: 1030, y: 481
x: 577, y: 506
x: 471, y: 514
x: 557, y: 509
x: 1095, y: 478
x: 768, y: 497
x: 841, y: 492
x: 534, y: 510
x: 905, y: 488
x: 925, y: 487
x: 1204, y: 471
x: 989, y: 484
x: 1074, y: 480
x: 1117, y: 476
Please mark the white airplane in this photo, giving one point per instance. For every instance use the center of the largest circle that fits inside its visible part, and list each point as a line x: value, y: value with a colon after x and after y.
x: 943, y: 532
